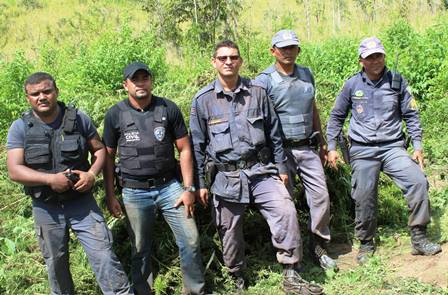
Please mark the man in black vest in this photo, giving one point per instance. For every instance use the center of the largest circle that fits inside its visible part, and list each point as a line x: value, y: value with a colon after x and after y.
x: 47, y: 153
x: 144, y: 128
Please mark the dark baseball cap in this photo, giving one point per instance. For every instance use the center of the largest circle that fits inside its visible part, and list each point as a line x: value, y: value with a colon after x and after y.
x: 370, y: 46
x: 284, y: 38
x: 132, y: 68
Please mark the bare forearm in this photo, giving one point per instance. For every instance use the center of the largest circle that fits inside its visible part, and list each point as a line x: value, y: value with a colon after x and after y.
x: 98, y: 160
x: 186, y: 166
x: 108, y: 174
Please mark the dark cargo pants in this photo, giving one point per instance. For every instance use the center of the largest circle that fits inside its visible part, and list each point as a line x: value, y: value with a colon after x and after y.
x: 305, y: 162
x: 274, y: 203
x: 52, y: 223
x: 367, y: 162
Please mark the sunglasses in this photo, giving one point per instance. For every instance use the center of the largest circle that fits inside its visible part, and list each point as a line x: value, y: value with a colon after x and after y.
x: 223, y: 58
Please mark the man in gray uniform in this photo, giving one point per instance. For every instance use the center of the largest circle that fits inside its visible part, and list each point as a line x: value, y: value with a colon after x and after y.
x: 233, y: 124
x: 292, y: 91
x: 48, y: 152
x: 379, y: 100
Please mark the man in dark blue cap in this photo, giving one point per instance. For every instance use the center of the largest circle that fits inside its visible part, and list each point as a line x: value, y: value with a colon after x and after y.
x: 379, y: 101
x: 292, y: 91
x: 145, y: 128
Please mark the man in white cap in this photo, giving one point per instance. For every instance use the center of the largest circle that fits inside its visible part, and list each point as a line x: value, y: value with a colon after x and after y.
x: 291, y: 88
x: 379, y: 101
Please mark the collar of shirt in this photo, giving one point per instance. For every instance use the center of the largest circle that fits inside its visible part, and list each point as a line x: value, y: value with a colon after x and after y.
x: 242, y: 84
x: 147, y: 108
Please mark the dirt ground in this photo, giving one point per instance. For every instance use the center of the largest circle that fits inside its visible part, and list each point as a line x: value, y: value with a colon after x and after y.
x: 427, y: 269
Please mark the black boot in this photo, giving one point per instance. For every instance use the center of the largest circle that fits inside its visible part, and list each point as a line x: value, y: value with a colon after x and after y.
x: 239, y: 281
x: 366, y: 250
x: 318, y: 249
x: 420, y: 243
x: 294, y: 284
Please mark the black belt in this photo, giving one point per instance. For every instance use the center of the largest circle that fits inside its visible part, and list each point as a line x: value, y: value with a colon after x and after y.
x: 297, y: 143
x: 146, y: 183
x: 234, y: 166
x: 374, y: 143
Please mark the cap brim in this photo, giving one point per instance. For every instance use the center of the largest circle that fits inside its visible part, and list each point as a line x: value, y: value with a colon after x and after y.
x: 286, y: 43
x: 131, y: 74
x: 372, y: 51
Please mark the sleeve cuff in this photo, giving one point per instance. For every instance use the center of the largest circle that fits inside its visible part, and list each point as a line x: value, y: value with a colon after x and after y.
x: 201, y: 182
x: 417, y: 144
x: 282, y: 168
x: 331, y: 145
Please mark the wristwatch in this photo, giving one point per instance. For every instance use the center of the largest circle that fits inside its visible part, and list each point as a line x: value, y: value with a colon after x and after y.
x: 190, y: 188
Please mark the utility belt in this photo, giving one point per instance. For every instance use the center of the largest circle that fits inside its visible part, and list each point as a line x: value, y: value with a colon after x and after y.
x: 312, y: 141
x: 263, y: 156
x: 148, y: 182
x: 237, y: 165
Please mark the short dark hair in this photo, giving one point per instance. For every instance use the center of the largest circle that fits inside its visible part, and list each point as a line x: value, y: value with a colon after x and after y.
x: 38, y: 77
x: 226, y: 43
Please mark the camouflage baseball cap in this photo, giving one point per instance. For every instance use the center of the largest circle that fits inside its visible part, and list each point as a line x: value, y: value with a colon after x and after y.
x: 285, y: 38
x: 370, y: 46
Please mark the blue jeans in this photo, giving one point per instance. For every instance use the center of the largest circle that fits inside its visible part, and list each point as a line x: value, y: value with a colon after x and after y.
x: 52, y: 222
x: 141, y: 207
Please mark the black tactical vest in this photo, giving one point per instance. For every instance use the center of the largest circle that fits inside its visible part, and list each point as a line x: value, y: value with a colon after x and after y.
x: 54, y: 150
x: 145, y: 146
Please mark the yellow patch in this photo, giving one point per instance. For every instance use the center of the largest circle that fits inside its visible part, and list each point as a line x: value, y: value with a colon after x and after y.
x: 413, y: 104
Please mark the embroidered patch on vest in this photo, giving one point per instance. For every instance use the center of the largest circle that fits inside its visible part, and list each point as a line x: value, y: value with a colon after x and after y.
x: 159, y: 133
x: 359, y: 109
x: 131, y: 136
x: 359, y: 93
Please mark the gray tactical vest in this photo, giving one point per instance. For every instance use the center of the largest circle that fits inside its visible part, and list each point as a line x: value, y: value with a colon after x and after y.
x: 54, y: 150
x: 293, y: 102
x: 145, y: 146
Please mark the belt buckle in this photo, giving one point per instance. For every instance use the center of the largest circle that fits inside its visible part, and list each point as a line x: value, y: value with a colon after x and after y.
x: 151, y: 183
x: 242, y: 164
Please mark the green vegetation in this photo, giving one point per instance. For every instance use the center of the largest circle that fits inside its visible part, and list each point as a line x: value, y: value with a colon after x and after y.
x: 85, y: 44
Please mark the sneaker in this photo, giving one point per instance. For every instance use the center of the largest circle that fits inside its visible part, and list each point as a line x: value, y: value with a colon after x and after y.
x: 420, y: 243
x: 366, y: 250
x: 294, y: 284
x: 320, y: 254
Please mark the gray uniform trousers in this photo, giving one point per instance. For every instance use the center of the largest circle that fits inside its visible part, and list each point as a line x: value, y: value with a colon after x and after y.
x: 367, y: 162
x: 82, y: 215
x: 274, y: 203
x: 305, y: 162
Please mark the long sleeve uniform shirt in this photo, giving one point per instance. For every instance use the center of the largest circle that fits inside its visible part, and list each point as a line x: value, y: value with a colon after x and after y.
x: 230, y: 126
x: 377, y: 112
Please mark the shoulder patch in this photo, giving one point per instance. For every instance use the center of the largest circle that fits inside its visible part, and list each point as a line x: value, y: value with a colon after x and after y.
x: 413, y: 104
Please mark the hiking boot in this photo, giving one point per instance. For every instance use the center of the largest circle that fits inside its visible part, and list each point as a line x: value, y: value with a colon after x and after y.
x: 366, y: 250
x: 294, y: 284
x: 420, y: 243
x: 239, y: 282
x: 318, y: 249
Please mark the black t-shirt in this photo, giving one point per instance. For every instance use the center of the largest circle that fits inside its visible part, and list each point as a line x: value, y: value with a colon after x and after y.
x: 176, y: 123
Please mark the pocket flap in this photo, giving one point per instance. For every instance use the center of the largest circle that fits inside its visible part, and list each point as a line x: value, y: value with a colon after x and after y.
x: 69, y: 145
x: 128, y: 151
x: 254, y: 119
x: 219, y: 128
x: 296, y: 119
